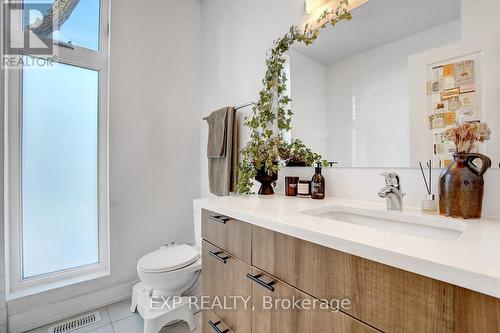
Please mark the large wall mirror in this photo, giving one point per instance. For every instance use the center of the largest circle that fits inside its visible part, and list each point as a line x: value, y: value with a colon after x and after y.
x: 377, y: 91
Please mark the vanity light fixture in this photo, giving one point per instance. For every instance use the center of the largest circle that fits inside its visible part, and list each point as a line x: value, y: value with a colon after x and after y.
x: 314, y: 8
x: 311, y: 5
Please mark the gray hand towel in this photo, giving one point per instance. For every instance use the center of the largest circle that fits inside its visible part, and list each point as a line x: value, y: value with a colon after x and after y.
x: 222, y: 171
x: 217, y: 133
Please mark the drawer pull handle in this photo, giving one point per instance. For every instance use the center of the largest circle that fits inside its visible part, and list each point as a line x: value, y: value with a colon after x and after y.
x: 217, y: 255
x: 215, y: 328
x: 256, y: 278
x: 219, y: 218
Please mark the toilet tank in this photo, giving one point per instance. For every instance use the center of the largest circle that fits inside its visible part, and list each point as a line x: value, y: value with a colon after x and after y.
x: 197, y: 226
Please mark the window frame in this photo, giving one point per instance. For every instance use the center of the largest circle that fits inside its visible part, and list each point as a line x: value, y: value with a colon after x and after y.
x: 16, y: 286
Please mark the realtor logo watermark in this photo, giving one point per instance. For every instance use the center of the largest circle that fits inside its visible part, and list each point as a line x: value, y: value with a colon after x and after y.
x: 266, y: 303
x: 26, y: 39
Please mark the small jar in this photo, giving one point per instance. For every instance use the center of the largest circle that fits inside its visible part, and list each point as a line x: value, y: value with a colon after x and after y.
x: 430, y: 204
x: 304, y: 189
x: 291, y: 186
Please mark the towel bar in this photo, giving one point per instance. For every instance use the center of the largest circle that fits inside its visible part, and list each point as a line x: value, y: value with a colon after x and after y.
x: 242, y: 106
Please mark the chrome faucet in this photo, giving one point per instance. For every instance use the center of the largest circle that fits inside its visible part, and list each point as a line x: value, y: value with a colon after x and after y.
x: 391, y: 192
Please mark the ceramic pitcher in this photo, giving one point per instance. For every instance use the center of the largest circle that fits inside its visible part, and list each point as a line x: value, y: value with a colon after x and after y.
x: 461, y: 186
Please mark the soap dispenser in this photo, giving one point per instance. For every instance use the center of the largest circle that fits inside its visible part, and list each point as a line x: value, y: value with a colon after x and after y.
x: 318, y: 184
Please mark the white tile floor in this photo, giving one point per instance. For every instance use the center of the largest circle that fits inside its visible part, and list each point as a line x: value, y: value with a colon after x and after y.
x: 117, y: 318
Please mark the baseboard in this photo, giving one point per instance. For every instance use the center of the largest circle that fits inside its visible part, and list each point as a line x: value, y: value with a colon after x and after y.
x: 23, y: 322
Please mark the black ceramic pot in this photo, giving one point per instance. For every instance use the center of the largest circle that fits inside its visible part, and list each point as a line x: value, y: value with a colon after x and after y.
x: 266, y: 181
x: 296, y: 164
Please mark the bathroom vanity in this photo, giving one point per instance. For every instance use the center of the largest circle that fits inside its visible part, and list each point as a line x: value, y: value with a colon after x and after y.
x: 364, y: 94
x: 406, y: 272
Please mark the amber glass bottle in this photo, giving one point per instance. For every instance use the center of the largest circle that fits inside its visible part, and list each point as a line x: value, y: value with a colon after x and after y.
x: 318, y: 184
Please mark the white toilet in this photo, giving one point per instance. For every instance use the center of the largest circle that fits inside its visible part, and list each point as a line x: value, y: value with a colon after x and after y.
x: 169, y: 271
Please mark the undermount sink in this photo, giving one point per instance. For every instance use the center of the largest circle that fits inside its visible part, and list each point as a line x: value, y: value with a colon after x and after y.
x: 407, y: 222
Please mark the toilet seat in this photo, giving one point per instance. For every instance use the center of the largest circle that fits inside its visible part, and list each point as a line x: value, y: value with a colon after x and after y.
x: 168, y: 258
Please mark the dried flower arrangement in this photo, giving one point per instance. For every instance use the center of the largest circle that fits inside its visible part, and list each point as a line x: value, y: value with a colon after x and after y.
x: 466, y: 135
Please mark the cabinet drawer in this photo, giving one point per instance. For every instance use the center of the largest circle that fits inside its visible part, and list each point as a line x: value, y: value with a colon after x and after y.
x: 284, y: 309
x: 231, y: 235
x: 213, y: 324
x: 225, y: 282
x: 384, y: 297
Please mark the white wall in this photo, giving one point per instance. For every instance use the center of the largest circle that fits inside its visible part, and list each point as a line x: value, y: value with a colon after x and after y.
x: 485, y: 48
x: 237, y: 34
x: 155, y: 79
x: 309, y: 95
x: 368, y: 109
x: 479, y: 16
x: 3, y: 305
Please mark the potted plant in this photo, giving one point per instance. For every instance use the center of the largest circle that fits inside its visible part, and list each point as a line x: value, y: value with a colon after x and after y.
x: 297, y: 153
x: 271, y: 115
x: 262, y: 163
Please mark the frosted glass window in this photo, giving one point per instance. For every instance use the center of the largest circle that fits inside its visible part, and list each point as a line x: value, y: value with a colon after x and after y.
x: 79, y: 24
x: 59, y: 169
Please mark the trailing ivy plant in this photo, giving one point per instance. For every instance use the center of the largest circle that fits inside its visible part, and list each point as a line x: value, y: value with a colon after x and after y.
x: 266, y: 149
x: 297, y: 152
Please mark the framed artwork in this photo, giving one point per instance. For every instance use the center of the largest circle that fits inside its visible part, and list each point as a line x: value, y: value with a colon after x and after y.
x: 453, y: 97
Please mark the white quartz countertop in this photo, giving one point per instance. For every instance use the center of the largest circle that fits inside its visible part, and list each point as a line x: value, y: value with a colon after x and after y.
x: 471, y: 261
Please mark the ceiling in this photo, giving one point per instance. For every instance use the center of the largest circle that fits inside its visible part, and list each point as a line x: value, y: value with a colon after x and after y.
x: 377, y: 23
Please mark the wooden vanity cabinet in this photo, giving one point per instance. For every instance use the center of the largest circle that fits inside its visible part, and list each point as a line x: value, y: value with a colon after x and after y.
x: 213, y: 324
x: 224, y: 276
x: 227, y: 233
x: 390, y: 299
x: 281, y: 308
x: 227, y: 271
x: 264, y: 263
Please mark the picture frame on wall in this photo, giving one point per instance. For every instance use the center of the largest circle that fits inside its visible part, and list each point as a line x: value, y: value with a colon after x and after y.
x: 454, y: 96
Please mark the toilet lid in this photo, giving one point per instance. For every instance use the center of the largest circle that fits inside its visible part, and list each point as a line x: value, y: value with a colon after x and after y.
x: 168, y: 258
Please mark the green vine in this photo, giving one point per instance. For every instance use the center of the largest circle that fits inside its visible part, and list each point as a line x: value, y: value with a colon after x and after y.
x: 298, y: 152
x: 266, y: 149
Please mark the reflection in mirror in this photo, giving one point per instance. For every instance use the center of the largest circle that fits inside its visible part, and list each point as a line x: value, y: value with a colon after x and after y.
x: 350, y: 90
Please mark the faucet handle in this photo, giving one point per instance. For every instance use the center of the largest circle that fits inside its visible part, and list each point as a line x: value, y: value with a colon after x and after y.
x: 391, y: 178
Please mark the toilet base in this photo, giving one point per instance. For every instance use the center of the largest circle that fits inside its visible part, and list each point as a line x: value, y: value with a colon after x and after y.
x: 156, y: 314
